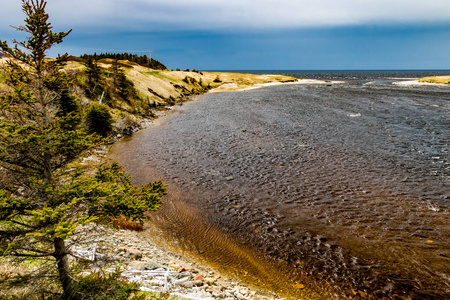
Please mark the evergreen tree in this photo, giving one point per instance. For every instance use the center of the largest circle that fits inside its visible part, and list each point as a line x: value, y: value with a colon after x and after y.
x: 67, y: 103
x: 124, y: 86
x: 93, y: 73
x: 42, y: 200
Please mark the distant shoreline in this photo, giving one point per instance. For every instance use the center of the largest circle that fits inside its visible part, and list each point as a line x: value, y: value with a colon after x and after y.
x: 432, y: 80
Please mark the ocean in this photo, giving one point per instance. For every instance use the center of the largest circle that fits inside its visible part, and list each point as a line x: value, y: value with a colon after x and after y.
x: 344, y: 186
x: 351, y: 75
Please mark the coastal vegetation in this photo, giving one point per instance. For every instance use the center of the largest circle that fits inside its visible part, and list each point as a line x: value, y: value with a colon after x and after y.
x: 436, y: 79
x: 142, y: 60
x: 44, y: 197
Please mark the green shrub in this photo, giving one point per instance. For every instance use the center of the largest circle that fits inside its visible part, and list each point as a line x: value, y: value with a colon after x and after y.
x: 99, y: 120
x: 67, y: 103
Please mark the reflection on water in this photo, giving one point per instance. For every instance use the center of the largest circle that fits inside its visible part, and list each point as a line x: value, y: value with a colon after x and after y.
x: 345, y: 184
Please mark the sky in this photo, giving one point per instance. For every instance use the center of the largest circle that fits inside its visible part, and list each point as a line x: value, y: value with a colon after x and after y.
x: 254, y: 35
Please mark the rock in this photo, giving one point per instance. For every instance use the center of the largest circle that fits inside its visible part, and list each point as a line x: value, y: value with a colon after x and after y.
x: 199, y: 278
x: 217, y: 294
x: 183, y: 269
x: 187, y: 285
x: 183, y: 274
x: 100, y: 257
x: 197, y: 283
x: 244, y: 292
x: 217, y: 289
x: 151, y: 265
x: 174, y: 266
x: 211, y: 281
x: 137, y: 265
x: 181, y: 280
x: 117, y: 258
x: 136, y: 254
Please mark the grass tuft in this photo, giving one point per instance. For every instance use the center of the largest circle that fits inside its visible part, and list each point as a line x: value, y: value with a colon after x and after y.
x: 122, y: 222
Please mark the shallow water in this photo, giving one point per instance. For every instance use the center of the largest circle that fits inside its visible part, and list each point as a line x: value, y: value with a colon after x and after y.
x: 346, y: 184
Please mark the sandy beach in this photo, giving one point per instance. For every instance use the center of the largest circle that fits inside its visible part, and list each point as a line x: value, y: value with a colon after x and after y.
x: 235, y: 87
x: 416, y: 82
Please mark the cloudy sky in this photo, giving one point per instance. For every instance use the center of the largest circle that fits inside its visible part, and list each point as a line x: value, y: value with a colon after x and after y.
x: 254, y: 35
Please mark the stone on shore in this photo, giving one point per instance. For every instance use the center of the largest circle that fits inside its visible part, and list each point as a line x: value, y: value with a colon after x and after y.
x: 151, y: 265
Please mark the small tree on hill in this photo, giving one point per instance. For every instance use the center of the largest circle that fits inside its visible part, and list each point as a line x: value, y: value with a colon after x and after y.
x: 42, y: 200
x: 124, y: 86
x: 93, y: 73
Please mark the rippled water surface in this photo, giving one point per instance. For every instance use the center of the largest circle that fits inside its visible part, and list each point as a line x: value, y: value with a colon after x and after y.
x: 347, y: 184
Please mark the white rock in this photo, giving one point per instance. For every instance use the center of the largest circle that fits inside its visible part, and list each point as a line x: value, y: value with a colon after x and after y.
x: 182, y: 280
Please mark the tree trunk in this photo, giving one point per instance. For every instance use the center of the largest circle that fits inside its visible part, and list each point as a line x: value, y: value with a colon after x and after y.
x: 65, y: 275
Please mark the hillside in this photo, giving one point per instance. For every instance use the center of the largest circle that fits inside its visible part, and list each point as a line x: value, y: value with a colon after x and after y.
x: 133, y: 93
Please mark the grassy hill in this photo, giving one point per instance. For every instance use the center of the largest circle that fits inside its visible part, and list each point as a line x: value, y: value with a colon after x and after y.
x: 132, y: 92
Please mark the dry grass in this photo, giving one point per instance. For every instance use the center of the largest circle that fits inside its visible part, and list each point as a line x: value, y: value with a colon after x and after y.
x: 4, y: 89
x: 9, y: 270
x: 436, y: 79
x: 122, y: 222
x: 157, y: 85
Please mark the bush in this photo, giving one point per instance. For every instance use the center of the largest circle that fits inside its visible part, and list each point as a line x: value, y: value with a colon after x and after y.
x: 99, y: 120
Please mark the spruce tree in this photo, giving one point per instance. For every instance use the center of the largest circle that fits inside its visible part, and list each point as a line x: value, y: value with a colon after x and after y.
x: 42, y: 199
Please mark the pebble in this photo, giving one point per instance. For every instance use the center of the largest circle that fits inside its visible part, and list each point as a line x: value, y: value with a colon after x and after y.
x: 144, y: 262
x: 151, y: 265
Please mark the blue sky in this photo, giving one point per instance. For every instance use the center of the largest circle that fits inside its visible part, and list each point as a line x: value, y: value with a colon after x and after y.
x: 252, y: 35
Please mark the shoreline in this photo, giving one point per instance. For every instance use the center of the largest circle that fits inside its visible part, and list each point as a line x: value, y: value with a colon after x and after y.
x: 427, y: 81
x: 139, y: 145
x: 229, y: 87
x: 109, y: 247
x: 215, y: 284
x: 156, y: 234
x: 417, y: 82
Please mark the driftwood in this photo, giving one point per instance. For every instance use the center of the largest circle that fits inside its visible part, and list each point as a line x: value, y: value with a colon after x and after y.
x: 163, y: 277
